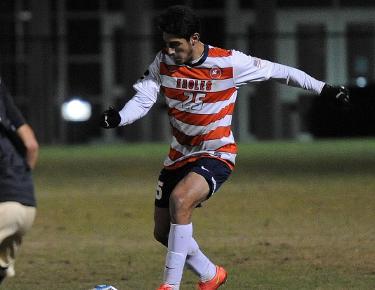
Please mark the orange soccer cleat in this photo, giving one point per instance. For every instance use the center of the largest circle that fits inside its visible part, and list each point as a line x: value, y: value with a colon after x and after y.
x: 165, y: 287
x: 219, y: 279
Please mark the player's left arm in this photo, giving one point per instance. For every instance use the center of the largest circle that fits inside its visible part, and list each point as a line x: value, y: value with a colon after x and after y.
x: 297, y: 78
x: 248, y: 69
x: 19, y: 132
x: 252, y: 69
x: 26, y: 134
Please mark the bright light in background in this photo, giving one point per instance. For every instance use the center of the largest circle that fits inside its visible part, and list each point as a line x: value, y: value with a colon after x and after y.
x: 361, y: 82
x: 76, y: 110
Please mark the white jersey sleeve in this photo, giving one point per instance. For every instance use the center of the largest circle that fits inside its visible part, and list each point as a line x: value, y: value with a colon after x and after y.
x: 147, y: 89
x: 252, y: 69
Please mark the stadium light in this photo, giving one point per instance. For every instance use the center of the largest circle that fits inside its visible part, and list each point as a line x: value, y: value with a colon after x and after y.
x: 76, y: 110
x: 361, y: 82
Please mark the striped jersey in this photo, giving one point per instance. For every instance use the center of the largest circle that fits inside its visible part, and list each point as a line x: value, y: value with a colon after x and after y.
x: 201, y: 98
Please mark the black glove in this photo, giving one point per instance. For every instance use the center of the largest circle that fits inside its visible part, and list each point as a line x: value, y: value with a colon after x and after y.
x: 339, y: 94
x: 110, y: 119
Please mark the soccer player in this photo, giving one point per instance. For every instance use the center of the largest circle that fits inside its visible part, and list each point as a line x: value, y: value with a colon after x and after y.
x: 18, y: 156
x: 199, y: 83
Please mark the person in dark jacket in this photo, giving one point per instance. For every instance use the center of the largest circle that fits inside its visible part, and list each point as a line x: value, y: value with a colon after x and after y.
x: 18, y: 156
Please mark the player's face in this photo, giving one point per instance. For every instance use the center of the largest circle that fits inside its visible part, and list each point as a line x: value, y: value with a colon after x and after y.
x: 178, y: 48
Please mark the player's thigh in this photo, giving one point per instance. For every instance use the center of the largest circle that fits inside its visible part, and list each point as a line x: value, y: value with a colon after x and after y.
x: 9, y: 216
x: 166, y: 182
x: 190, y: 191
x: 15, y: 218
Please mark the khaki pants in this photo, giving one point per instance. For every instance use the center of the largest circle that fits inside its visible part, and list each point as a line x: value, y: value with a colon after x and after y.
x: 15, y: 220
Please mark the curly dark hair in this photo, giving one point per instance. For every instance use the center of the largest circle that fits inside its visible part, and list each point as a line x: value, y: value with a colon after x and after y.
x: 179, y: 20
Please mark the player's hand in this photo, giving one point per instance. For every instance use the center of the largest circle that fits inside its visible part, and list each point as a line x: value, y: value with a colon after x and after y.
x: 339, y: 94
x: 110, y: 118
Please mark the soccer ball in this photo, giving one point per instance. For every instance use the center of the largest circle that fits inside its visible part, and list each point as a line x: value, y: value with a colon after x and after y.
x: 103, y: 287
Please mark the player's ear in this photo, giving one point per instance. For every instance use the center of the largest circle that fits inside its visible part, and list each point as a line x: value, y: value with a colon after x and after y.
x: 194, y: 38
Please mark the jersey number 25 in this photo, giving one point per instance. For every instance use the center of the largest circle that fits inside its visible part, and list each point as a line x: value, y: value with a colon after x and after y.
x: 194, y: 101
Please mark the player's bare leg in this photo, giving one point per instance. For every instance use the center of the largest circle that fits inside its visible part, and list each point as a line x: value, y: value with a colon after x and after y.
x: 196, y: 260
x: 188, y: 193
x: 162, y: 221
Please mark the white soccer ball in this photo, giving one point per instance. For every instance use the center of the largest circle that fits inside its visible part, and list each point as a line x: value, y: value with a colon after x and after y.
x: 104, y: 287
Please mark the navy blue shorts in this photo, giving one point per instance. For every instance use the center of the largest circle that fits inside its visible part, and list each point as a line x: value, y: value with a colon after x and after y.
x: 215, y: 172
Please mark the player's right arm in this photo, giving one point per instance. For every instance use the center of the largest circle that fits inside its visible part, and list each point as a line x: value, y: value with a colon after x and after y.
x: 147, y: 89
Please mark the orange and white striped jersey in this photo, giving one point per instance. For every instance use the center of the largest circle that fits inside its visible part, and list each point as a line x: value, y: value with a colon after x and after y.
x: 201, y: 99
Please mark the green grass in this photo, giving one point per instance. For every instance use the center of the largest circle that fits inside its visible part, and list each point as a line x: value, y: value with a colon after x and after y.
x: 292, y: 216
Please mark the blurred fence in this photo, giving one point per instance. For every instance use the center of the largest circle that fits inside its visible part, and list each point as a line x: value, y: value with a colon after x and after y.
x: 53, y: 55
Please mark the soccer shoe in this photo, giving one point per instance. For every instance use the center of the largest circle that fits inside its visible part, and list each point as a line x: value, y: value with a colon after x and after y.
x: 165, y: 287
x: 219, y: 279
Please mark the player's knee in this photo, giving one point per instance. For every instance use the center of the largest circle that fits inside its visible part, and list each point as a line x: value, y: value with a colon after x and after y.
x: 180, y: 201
x: 181, y: 207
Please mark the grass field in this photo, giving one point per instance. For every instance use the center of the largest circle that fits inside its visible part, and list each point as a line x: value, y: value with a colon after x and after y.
x: 292, y: 216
